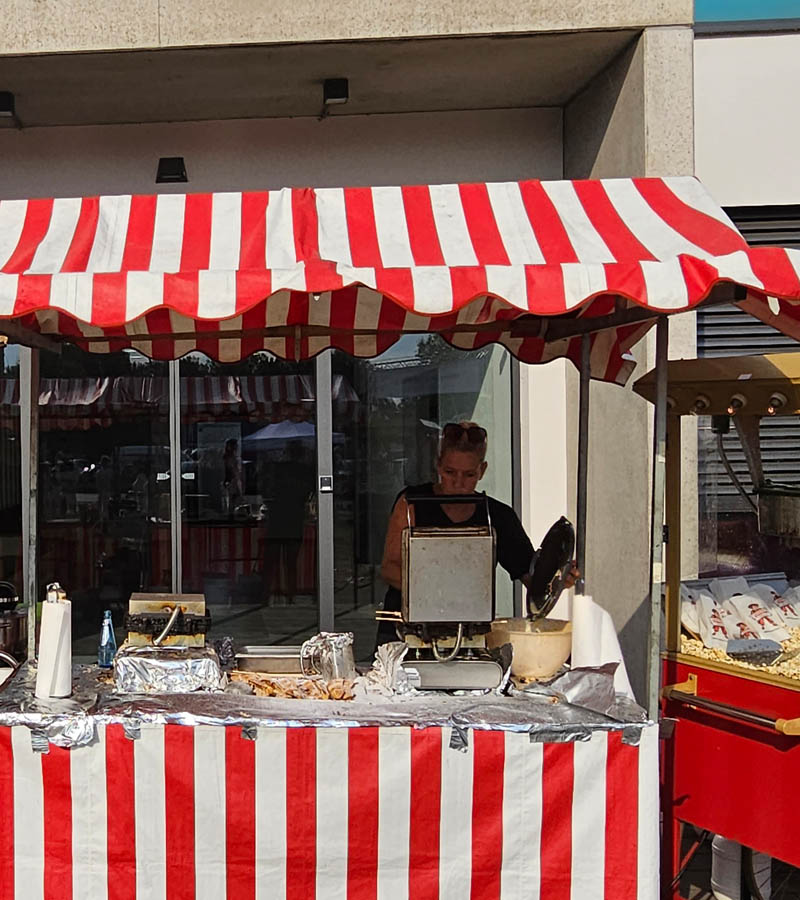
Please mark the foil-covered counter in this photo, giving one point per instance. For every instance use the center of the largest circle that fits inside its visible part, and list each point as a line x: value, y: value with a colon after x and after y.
x: 543, y: 713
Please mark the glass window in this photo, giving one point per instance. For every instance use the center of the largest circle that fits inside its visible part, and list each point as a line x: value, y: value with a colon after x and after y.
x: 104, y: 503
x: 10, y: 485
x: 248, y: 467
x: 387, y: 415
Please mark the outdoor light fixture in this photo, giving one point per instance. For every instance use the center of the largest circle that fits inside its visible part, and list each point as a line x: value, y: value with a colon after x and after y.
x: 8, y: 111
x: 335, y: 91
x: 171, y: 170
x: 736, y: 402
x: 776, y: 401
x: 701, y: 403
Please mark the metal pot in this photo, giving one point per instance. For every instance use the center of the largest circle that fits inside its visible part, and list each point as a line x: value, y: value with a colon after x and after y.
x: 8, y: 597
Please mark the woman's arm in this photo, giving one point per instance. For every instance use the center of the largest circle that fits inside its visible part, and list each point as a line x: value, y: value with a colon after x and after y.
x: 391, y: 566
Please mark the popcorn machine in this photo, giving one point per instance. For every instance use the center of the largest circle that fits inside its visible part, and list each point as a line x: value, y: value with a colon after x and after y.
x: 731, y: 756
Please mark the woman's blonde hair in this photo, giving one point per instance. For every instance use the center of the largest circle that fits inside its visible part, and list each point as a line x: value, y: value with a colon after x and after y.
x: 464, y: 436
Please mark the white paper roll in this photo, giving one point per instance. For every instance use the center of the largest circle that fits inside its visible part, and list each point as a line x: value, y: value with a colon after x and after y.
x: 54, y: 666
x: 595, y: 641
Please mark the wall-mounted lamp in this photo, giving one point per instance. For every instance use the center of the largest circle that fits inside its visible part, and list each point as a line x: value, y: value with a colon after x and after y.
x: 335, y: 91
x: 776, y: 401
x: 171, y: 170
x: 736, y: 403
x: 701, y: 403
x: 8, y: 111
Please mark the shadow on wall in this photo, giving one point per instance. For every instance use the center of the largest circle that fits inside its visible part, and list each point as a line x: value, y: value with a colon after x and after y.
x: 633, y: 638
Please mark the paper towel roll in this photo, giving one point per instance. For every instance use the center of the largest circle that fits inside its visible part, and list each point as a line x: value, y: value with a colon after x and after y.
x: 54, y: 667
x: 595, y: 641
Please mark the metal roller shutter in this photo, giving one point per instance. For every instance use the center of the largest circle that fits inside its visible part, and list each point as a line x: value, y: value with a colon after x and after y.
x: 727, y: 331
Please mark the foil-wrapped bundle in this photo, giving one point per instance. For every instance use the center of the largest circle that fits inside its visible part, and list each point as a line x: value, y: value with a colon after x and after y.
x: 167, y: 670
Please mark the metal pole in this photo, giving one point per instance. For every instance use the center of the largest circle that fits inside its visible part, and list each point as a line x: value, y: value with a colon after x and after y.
x: 29, y: 470
x: 583, y: 461
x: 657, y: 520
x: 516, y: 466
x: 325, y: 555
x: 175, y: 498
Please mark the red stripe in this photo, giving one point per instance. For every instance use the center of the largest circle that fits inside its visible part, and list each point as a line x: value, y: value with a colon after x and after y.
x: 139, y: 239
x: 546, y: 223
x: 426, y: 797
x: 37, y: 221
x: 611, y: 227
x: 486, y: 239
x: 627, y: 280
x: 108, y: 298
x: 240, y: 814
x: 179, y: 810
x: 622, y: 819
x: 487, y: 814
x: 196, y: 247
x: 305, y: 225
x: 57, y: 814
x: 301, y: 813
x: 772, y: 267
x: 422, y: 234
x: 253, y: 252
x: 361, y: 229
x: 77, y: 258
x: 343, y: 315
x: 362, y: 814
x: 7, y: 807
x: 468, y: 282
x: 545, y: 290
x: 558, y: 776
x: 704, y: 231
x: 121, y: 815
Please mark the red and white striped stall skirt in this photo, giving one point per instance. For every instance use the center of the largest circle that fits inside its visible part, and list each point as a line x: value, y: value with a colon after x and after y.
x: 363, y: 813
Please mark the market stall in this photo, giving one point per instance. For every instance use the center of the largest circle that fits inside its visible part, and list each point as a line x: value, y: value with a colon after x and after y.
x: 740, y: 712
x: 195, y: 793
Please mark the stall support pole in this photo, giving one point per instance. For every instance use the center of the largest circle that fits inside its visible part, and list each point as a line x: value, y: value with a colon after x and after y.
x: 583, y: 461
x: 516, y: 470
x: 175, y: 499
x: 29, y: 470
x: 325, y: 555
x: 657, y: 519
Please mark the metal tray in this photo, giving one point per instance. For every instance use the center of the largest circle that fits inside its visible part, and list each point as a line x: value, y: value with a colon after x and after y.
x: 281, y: 659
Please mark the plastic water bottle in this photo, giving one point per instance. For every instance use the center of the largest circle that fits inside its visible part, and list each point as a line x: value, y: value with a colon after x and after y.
x: 108, y: 643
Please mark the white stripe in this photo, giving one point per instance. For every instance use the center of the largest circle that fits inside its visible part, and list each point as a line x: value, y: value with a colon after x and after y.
x: 332, y: 779
x: 522, y: 818
x: 168, y: 233
x: 586, y: 241
x: 451, y: 225
x: 433, y: 289
x: 691, y: 192
x: 647, y: 226
x: 280, y: 230
x: 108, y: 247
x: 28, y: 817
x: 648, y: 843
x: 666, y: 286
x: 143, y: 291
x: 8, y: 293
x: 394, y: 812
x: 52, y: 250
x: 271, y: 814
x: 226, y: 231
x: 508, y: 283
x: 736, y: 266
x: 455, y: 835
x: 216, y: 294
x: 514, y: 224
x: 89, y: 820
x: 209, y: 812
x: 150, y: 811
x: 332, y: 234
x: 589, y: 818
x: 12, y: 221
x: 604, y: 342
x: 367, y: 316
x: 72, y: 293
x: 582, y: 281
x: 793, y: 255
x: 392, y: 227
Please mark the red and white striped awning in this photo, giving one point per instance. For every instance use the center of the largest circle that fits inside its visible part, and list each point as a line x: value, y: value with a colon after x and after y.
x: 297, y: 271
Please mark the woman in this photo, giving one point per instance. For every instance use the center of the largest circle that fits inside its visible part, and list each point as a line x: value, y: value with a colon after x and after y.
x: 460, y: 466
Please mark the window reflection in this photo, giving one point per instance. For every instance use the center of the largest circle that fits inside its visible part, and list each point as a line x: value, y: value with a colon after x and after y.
x: 10, y: 487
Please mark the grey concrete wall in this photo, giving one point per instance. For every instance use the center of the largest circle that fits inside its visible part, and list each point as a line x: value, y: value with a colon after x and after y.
x: 635, y: 118
x: 53, y: 26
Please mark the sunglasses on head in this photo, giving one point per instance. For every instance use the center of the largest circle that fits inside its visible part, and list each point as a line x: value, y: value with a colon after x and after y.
x: 453, y: 431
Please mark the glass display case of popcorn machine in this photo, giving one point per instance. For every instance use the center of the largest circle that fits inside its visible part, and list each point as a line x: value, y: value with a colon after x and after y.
x: 731, y: 671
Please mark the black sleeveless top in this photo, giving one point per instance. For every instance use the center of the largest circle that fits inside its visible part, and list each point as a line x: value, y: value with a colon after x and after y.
x: 514, y: 549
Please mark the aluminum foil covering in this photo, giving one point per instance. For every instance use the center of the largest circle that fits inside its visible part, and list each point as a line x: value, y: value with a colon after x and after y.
x: 167, y: 670
x: 96, y: 703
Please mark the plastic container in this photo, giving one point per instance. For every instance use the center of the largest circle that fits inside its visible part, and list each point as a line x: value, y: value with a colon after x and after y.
x: 540, y: 647
x: 107, y: 648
